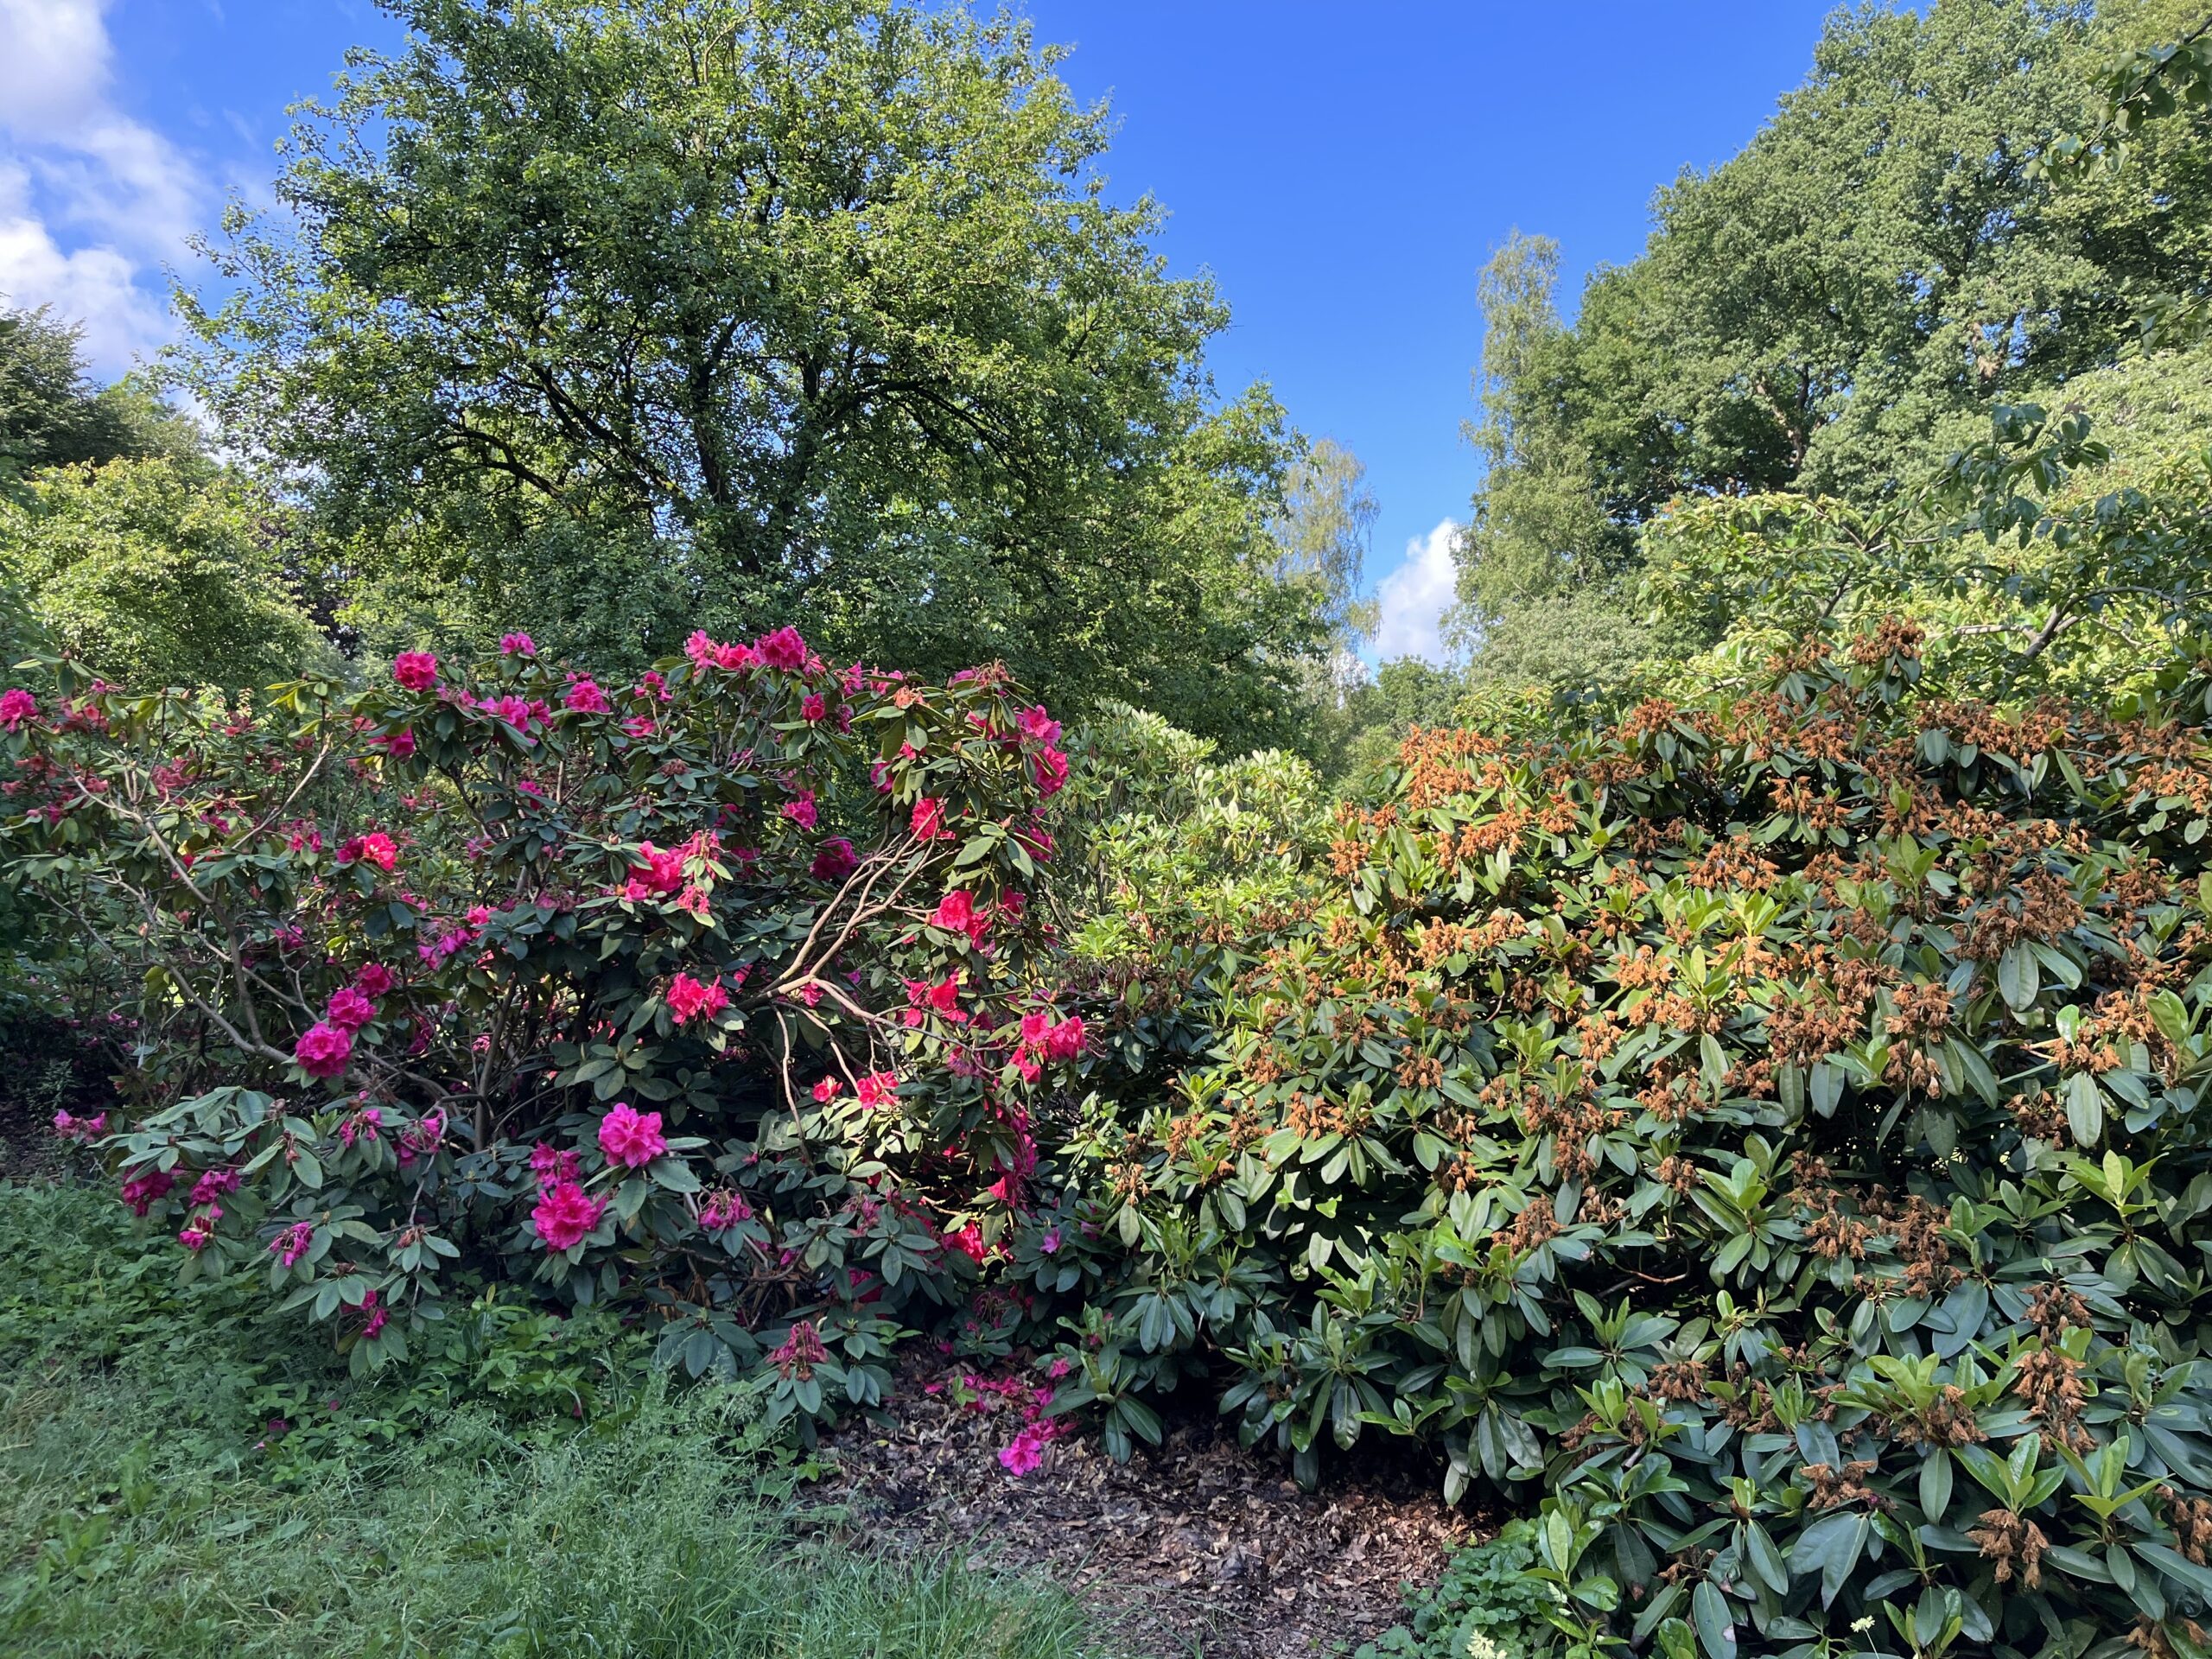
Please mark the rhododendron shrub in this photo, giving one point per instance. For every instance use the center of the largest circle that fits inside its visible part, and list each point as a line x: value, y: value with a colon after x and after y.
x: 673, y: 994
x: 1768, y: 1136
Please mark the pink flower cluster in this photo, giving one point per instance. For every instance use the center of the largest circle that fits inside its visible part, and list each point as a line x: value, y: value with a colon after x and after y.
x: 1044, y: 1040
x: 958, y: 912
x: 552, y: 1165
x: 199, y: 1230
x: 688, y: 999
x: 289, y: 1245
x: 836, y: 860
x: 941, y: 998
x: 631, y: 1138
x: 323, y: 1050
x: 16, y: 706
x: 376, y: 847
x: 564, y: 1216
x: 417, y: 670
x: 1049, y: 766
x: 214, y: 1184
x: 723, y: 1211
x: 80, y: 1128
x: 141, y: 1192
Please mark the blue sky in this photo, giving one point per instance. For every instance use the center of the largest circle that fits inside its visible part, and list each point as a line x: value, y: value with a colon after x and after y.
x: 1342, y: 170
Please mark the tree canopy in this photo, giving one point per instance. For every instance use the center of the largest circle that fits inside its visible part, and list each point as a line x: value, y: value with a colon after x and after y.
x: 773, y: 303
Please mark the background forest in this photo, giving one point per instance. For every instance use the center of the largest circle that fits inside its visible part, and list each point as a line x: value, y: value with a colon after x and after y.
x: 684, y: 763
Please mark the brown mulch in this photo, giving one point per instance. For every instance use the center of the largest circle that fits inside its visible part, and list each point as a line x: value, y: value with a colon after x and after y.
x: 1200, y: 1548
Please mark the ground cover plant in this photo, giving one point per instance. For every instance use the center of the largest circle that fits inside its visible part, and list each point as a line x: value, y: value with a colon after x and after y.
x: 152, y: 1510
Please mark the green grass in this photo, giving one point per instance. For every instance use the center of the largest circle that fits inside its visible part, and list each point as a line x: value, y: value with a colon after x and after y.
x: 138, y: 1517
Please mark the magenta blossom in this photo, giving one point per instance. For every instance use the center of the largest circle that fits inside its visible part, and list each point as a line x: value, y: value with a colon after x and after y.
x: 374, y: 979
x: 836, y: 860
x: 16, y: 706
x: 140, y: 1192
x: 323, y: 1050
x: 349, y: 1010
x: 783, y: 649
x: 723, y: 1211
x: 564, y: 1216
x: 800, y: 809
x: 814, y: 706
x: 517, y: 645
x: 199, y: 1230
x: 80, y: 1128
x: 585, y: 697
x: 376, y: 847
x: 553, y: 1164
x: 631, y: 1138
x: 929, y: 820
x: 214, y: 1184
x: 416, y: 670
x: 687, y: 999
x: 288, y: 1246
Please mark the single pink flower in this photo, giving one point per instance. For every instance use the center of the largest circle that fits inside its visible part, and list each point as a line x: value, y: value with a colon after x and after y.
x: 1050, y: 768
x: 878, y: 1089
x: 800, y: 809
x: 323, y: 1050
x: 814, y: 706
x: 564, y: 1216
x: 828, y: 1089
x: 1066, y: 1041
x: 416, y: 670
x: 631, y: 1138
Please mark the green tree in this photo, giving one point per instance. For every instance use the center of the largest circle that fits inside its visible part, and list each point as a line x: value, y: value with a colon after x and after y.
x: 160, y: 572
x: 1326, y: 530
x: 1884, y: 257
x: 795, y: 306
x: 51, y: 415
x: 1537, y: 527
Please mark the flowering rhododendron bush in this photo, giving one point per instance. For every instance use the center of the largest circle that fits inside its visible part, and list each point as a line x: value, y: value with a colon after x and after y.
x: 1767, y: 1140
x: 713, y: 996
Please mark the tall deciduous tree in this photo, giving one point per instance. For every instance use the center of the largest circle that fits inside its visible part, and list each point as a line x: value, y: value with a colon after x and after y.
x: 52, y: 415
x: 783, y: 304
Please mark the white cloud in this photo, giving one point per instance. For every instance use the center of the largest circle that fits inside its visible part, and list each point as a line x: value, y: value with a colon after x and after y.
x: 1413, y: 597
x: 92, y: 203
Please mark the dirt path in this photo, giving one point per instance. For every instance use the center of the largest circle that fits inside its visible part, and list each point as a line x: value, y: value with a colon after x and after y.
x: 1201, y: 1549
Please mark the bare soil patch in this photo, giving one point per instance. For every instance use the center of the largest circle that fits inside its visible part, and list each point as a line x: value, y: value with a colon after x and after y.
x: 1200, y: 1547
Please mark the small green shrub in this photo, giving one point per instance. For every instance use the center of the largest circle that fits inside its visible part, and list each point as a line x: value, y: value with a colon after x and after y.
x: 1488, y: 1604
